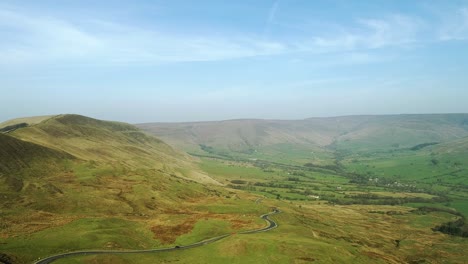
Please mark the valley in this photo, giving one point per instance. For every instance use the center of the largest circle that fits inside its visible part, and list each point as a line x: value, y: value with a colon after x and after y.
x: 365, y: 189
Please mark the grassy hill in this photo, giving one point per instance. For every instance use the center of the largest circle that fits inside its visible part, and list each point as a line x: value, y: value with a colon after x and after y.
x: 316, y: 140
x: 27, y: 120
x: 91, y: 139
x: 108, y: 183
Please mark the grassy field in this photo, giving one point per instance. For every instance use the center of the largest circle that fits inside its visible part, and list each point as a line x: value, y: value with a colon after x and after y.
x: 430, y: 170
x: 322, y: 234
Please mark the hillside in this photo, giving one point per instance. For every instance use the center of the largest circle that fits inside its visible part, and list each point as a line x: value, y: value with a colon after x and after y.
x: 69, y: 171
x: 318, y: 139
x: 91, y: 139
x: 16, y: 154
x: 21, y: 160
x: 27, y: 120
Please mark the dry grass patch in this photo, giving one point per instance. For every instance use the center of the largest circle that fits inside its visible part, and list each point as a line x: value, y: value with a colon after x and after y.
x: 168, y: 232
x: 33, y: 221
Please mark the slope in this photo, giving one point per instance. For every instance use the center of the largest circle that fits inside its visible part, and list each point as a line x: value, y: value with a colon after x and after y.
x: 20, y: 160
x: 107, y: 183
x: 317, y: 140
x: 24, y: 120
x: 91, y: 139
x: 16, y: 154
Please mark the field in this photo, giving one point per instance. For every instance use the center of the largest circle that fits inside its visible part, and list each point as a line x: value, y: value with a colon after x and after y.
x: 323, y: 234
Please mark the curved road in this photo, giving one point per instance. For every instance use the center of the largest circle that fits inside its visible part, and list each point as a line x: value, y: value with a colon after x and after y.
x: 271, y: 225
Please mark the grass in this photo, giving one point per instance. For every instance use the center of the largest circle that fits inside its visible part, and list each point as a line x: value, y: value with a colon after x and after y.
x: 229, y: 171
x: 85, y: 233
x: 204, y: 229
x: 293, y: 154
x: 460, y: 205
x: 322, y: 234
x: 28, y: 120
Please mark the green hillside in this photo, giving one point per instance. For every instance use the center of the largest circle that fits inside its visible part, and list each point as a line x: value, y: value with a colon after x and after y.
x: 17, y: 155
x: 22, y: 160
x: 24, y: 120
x: 71, y: 175
x: 91, y: 139
x: 316, y: 140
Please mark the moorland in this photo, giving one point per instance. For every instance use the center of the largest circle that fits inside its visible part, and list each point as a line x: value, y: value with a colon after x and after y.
x: 355, y: 189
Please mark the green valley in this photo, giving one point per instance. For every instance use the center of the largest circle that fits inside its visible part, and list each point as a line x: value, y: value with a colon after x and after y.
x: 348, y: 190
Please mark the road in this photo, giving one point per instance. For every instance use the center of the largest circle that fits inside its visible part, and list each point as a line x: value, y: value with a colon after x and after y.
x: 271, y: 225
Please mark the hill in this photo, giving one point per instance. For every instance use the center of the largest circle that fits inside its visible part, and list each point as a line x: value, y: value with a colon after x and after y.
x: 315, y: 139
x: 71, y: 172
x: 22, y: 121
x: 91, y: 139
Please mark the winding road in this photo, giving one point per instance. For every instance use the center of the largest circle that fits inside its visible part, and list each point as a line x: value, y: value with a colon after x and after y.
x: 271, y: 225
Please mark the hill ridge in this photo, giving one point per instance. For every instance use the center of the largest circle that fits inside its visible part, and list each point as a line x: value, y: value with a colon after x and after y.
x: 323, y: 136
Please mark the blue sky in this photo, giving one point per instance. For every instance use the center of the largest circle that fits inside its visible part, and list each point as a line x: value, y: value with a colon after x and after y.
x: 143, y: 61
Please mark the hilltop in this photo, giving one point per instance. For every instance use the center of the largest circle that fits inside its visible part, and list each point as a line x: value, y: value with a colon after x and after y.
x: 24, y: 120
x: 92, y: 139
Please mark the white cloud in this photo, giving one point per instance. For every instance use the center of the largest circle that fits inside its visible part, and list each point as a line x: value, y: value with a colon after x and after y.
x: 395, y: 30
x: 35, y: 37
x: 32, y: 38
x: 42, y: 39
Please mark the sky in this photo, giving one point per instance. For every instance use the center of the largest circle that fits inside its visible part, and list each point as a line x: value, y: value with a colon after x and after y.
x: 175, y: 60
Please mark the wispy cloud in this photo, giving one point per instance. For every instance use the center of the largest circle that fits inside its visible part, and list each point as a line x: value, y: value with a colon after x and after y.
x: 271, y: 17
x: 34, y: 38
x: 394, y: 30
x: 26, y: 38
x: 455, y: 27
x: 30, y: 38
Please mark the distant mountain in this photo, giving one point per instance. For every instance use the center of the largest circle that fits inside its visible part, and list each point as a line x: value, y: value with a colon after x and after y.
x: 322, y: 136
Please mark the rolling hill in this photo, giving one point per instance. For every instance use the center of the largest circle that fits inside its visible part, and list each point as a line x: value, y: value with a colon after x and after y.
x: 69, y: 172
x: 95, y: 140
x: 72, y: 183
x: 314, y: 139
